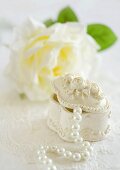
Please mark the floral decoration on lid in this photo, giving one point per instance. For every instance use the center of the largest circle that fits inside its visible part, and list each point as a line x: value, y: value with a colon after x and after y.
x: 74, y: 90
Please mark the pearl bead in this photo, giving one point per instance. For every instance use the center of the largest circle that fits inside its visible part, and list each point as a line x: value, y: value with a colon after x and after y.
x: 64, y: 155
x: 44, y: 157
x: 41, y: 152
x: 77, y: 156
x: 49, y: 162
x: 90, y: 149
x: 76, y: 113
x: 38, y: 152
x: 75, y: 140
x: 53, y: 148
x: 68, y: 154
x: 74, y: 134
x: 52, y: 168
x: 76, y: 119
x: 40, y: 158
x: 85, y: 155
x: 47, y: 147
x: 41, y: 147
x: 78, y: 140
x: 78, y: 109
x: 86, y: 144
x: 61, y: 151
x: 76, y: 127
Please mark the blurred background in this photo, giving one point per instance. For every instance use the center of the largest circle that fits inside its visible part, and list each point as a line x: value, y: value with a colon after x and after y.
x: 13, y: 12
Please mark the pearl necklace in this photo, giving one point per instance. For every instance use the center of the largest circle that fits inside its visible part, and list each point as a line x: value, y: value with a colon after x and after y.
x: 85, y: 148
x: 77, y: 118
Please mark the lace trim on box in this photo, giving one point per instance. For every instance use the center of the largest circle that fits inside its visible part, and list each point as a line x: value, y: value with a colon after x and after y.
x: 85, y: 133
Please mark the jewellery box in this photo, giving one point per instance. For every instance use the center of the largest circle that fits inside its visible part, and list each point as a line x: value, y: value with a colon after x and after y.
x: 78, y: 110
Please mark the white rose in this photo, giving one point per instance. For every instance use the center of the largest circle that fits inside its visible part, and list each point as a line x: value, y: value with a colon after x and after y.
x: 39, y: 54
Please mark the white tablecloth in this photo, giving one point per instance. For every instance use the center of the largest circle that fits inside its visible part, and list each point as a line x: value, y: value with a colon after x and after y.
x: 12, y: 153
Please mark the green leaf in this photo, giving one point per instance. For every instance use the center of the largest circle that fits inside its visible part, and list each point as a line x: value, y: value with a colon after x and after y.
x: 103, y: 35
x: 49, y: 22
x: 67, y: 15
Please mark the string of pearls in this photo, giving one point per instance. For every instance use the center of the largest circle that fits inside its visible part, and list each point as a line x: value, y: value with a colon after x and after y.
x: 83, y: 151
x: 77, y: 118
x: 62, y: 152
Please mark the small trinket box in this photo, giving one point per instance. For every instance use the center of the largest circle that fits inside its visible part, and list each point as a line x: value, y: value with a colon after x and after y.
x: 78, y: 109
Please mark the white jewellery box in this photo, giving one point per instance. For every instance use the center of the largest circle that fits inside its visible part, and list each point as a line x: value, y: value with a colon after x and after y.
x: 78, y: 109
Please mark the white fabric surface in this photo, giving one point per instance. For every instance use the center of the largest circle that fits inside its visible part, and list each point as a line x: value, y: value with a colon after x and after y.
x: 22, y: 123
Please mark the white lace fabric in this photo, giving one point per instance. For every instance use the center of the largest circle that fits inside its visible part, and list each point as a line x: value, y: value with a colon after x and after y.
x: 23, y: 128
